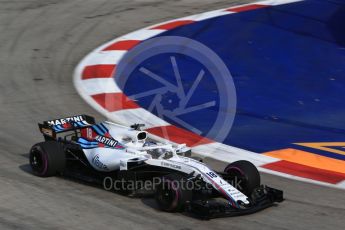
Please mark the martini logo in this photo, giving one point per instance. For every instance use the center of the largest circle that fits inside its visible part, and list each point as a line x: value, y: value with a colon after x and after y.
x: 63, y: 121
x: 107, y: 141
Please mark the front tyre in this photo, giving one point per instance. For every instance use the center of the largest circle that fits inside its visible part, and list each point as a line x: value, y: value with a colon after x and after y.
x: 173, y: 193
x: 246, y: 176
x: 47, y: 158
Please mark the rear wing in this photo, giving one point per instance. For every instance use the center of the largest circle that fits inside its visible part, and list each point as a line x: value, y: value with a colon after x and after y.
x: 51, y: 127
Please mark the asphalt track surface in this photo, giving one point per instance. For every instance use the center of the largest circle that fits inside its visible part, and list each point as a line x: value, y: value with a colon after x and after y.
x: 40, y: 44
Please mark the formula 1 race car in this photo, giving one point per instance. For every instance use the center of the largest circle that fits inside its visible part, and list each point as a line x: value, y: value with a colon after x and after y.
x: 120, y: 157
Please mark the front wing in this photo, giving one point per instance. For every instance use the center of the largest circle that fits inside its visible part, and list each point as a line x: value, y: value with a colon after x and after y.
x: 262, y: 198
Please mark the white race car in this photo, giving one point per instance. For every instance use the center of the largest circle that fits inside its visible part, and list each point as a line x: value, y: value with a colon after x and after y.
x: 124, y: 158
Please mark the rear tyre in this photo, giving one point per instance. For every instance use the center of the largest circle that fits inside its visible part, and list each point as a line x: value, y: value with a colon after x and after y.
x: 246, y: 176
x: 173, y: 193
x: 47, y: 158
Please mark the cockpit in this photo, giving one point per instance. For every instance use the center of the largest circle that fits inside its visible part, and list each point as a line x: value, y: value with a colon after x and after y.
x: 157, y: 152
x: 160, y: 153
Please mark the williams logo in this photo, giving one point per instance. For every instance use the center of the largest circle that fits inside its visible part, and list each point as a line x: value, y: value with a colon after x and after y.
x: 98, y: 163
x: 169, y: 165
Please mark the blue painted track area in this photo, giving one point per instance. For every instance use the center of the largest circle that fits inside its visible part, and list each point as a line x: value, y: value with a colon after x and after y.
x: 288, y: 67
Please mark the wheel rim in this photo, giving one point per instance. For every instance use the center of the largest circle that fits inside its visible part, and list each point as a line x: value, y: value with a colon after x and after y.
x: 168, y: 196
x: 238, y: 173
x: 38, y: 161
